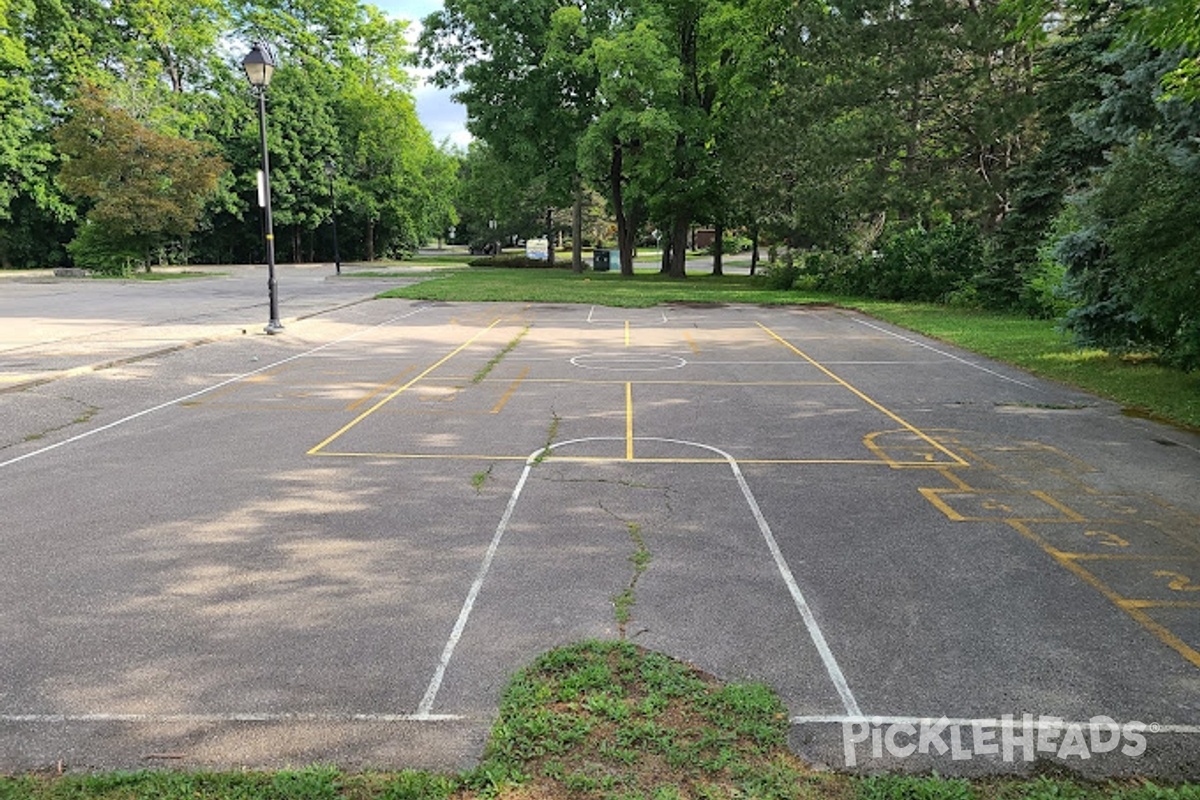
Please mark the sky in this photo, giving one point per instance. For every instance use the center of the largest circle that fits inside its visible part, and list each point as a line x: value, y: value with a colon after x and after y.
x: 441, y: 116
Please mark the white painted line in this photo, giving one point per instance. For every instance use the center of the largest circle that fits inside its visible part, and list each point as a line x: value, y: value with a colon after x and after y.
x: 204, y: 391
x: 789, y: 579
x: 202, y: 719
x: 810, y: 621
x: 1039, y: 723
x: 461, y: 623
x: 971, y: 364
x: 646, y: 362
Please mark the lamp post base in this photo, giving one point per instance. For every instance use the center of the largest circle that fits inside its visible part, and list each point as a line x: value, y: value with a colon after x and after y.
x: 273, y: 327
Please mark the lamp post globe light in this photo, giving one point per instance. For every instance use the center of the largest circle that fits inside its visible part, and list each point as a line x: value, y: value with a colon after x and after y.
x: 259, y: 68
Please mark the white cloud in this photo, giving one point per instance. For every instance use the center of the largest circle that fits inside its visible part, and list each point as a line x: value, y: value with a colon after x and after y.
x: 441, y: 116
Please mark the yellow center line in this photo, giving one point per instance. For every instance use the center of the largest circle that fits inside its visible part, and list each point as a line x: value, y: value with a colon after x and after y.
x: 629, y: 422
x: 396, y: 393
x: 862, y: 396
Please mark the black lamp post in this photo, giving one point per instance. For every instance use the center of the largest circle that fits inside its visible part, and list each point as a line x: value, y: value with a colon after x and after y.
x: 330, y: 171
x: 259, y: 67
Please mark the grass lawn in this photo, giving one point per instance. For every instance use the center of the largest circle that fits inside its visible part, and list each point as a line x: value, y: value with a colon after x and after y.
x: 601, y: 720
x: 1142, y: 386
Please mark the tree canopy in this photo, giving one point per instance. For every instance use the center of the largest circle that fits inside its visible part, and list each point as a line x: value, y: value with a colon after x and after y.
x: 134, y: 119
x: 970, y: 151
x: 1031, y: 154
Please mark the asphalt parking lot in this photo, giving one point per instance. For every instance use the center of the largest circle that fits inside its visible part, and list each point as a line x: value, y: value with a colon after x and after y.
x: 337, y: 544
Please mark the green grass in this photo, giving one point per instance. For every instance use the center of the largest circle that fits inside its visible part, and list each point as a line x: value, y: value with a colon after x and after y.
x: 600, y: 720
x: 1143, y: 386
x: 646, y: 289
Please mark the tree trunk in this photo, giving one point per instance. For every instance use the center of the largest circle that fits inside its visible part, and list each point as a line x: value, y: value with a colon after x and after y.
x: 753, y: 249
x: 679, y: 249
x: 719, y: 249
x: 550, y: 236
x: 577, y: 228
x: 370, y: 240
x: 624, y: 242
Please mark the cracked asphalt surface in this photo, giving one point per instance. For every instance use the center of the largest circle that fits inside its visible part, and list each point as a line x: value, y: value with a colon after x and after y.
x: 228, y: 549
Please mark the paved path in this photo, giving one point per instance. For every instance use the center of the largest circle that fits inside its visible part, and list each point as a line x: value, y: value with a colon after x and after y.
x: 55, y: 325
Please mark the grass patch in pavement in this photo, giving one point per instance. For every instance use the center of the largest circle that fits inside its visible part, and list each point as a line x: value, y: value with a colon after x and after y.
x: 1039, y: 346
x: 600, y: 720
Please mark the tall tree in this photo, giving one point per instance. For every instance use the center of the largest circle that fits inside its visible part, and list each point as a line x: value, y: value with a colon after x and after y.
x: 144, y: 187
x: 522, y: 71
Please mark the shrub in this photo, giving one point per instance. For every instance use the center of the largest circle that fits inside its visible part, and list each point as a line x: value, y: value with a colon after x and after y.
x: 782, y: 274
x: 516, y: 262
x: 730, y: 245
x: 99, y: 250
x: 925, y: 265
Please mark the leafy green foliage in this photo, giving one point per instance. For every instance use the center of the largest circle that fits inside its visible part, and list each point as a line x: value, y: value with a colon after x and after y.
x: 914, y: 264
x: 904, y: 787
x: 143, y: 186
x: 1128, y: 242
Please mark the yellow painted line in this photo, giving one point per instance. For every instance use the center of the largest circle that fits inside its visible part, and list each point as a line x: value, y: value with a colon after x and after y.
x: 653, y: 382
x: 1074, y: 516
x: 357, y: 404
x: 454, y: 379
x: 934, y: 497
x: 1127, y: 604
x: 629, y: 422
x: 862, y: 396
x: 978, y: 460
x: 627, y: 333
x: 1161, y: 632
x: 512, y: 389
x: 598, y: 459
x: 394, y: 394
x: 687, y: 337
x: 422, y: 456
x: 952, y: 477
x: 1119, y: 557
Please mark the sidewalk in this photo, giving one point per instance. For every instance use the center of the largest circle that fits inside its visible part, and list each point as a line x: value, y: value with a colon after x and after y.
x: 52, y: 327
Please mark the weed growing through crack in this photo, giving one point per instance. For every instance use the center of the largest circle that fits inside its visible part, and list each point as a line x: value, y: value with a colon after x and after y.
x: 480, y: 478
x: 640, y: 559
x: 551, y: 435
x: 496, y: 359
x: 89, y: 411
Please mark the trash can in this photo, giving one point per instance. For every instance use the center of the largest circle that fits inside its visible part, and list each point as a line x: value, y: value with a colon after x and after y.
x: 600, y: 260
